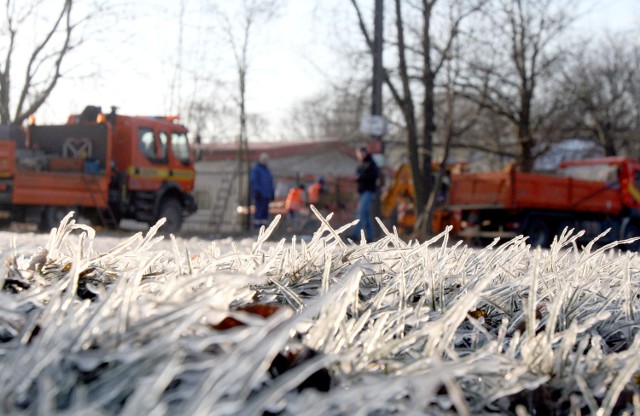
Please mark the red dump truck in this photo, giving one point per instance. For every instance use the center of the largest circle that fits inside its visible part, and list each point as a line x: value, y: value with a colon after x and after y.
x: 106, y: 167
x: 591, y: 195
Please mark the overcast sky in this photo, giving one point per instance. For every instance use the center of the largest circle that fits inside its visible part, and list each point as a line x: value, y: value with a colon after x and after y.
x: 290, y: 57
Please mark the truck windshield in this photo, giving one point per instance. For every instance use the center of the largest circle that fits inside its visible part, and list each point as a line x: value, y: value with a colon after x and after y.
x: 180, y: 147
x: 599, y: 173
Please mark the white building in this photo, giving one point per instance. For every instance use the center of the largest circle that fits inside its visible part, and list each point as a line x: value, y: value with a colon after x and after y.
x: 219, y: 186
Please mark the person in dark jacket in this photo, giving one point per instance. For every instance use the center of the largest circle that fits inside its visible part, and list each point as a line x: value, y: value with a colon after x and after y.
x: 262, y: 191
x: 367, y: 185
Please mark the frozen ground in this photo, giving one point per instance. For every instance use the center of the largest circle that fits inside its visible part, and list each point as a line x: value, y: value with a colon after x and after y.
x: 26, y: 239
x: 138, y: 325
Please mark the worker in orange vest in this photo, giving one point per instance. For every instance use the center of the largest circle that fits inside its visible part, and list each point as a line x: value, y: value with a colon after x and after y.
x: 295, y: 202
x: 315, y: 192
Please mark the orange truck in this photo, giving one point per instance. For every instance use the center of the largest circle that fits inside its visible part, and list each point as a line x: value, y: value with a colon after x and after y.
x: 106, y: 167
x: 591, y: 195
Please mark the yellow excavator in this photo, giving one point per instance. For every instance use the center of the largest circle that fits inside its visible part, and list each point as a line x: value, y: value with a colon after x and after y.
x: 398, y: 203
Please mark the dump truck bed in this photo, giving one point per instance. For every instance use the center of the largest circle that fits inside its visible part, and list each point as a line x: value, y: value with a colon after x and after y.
x: 51, y: 181
x: 60, y: 189
x: 513, y: 190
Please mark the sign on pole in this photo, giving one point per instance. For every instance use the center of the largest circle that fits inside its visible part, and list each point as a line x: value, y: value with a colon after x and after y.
x: 373, y: 125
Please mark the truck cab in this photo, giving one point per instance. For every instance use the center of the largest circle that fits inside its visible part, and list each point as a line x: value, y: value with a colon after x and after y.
x: 153, y: 172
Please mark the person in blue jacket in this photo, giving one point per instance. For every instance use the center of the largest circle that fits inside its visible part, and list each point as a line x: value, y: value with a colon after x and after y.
x: 262, y: 191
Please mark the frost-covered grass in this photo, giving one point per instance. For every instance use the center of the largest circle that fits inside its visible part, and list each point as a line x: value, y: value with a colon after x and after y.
x: 399, y: 327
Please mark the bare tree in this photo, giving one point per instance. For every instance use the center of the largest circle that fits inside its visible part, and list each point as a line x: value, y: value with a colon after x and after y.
x: 36, y: 44
x: 512, y: 61
x: 455, y: 119
x: 412, y: 83
x: 238, y: 30
x: 252, y: 12
x: 176, y: 81
x: 601, y: 89
x: 47, y: 55
x: 334, y: 114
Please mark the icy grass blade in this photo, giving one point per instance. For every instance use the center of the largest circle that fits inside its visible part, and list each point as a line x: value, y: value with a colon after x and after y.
x: 264, y: 234
x: 241, y: 370
x: 148, y: 395
x: 392, y: 318
x: 176, y: 253
x: 66, y: 227
x: 285, y: 383
x: 327, y: 227
x: 618, y: 384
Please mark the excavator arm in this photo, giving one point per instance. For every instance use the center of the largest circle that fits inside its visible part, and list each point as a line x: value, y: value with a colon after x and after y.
x: 399, y: 198
x: 401, y: 187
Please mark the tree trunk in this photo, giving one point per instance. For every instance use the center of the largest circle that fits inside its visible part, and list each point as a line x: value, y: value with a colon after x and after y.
x: 447, y: 136
x: 607, y: 140
x: 408, y: 111
x: 524, y: 124
x: 526, y: 147
x: 428, y: 110
x: 5, y: 82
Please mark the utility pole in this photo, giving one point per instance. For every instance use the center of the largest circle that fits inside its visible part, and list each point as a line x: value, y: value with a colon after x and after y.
x: 376, y: 144
x: 374, y: 124
x: 376, y: 98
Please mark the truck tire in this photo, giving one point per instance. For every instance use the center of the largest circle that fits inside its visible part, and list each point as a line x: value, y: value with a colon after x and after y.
x: 539, y: 233
x: 631, y: 230
x: 51, y: 217
x: 171, y: 209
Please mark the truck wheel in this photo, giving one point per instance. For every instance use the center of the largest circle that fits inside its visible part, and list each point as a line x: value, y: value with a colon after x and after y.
x: 171, y: 209
x: 539, y: 234
x: 631, y: 230
x: 51, y: 217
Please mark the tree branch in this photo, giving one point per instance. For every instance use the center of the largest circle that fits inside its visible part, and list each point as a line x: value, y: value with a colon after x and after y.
x: 20, y: 115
